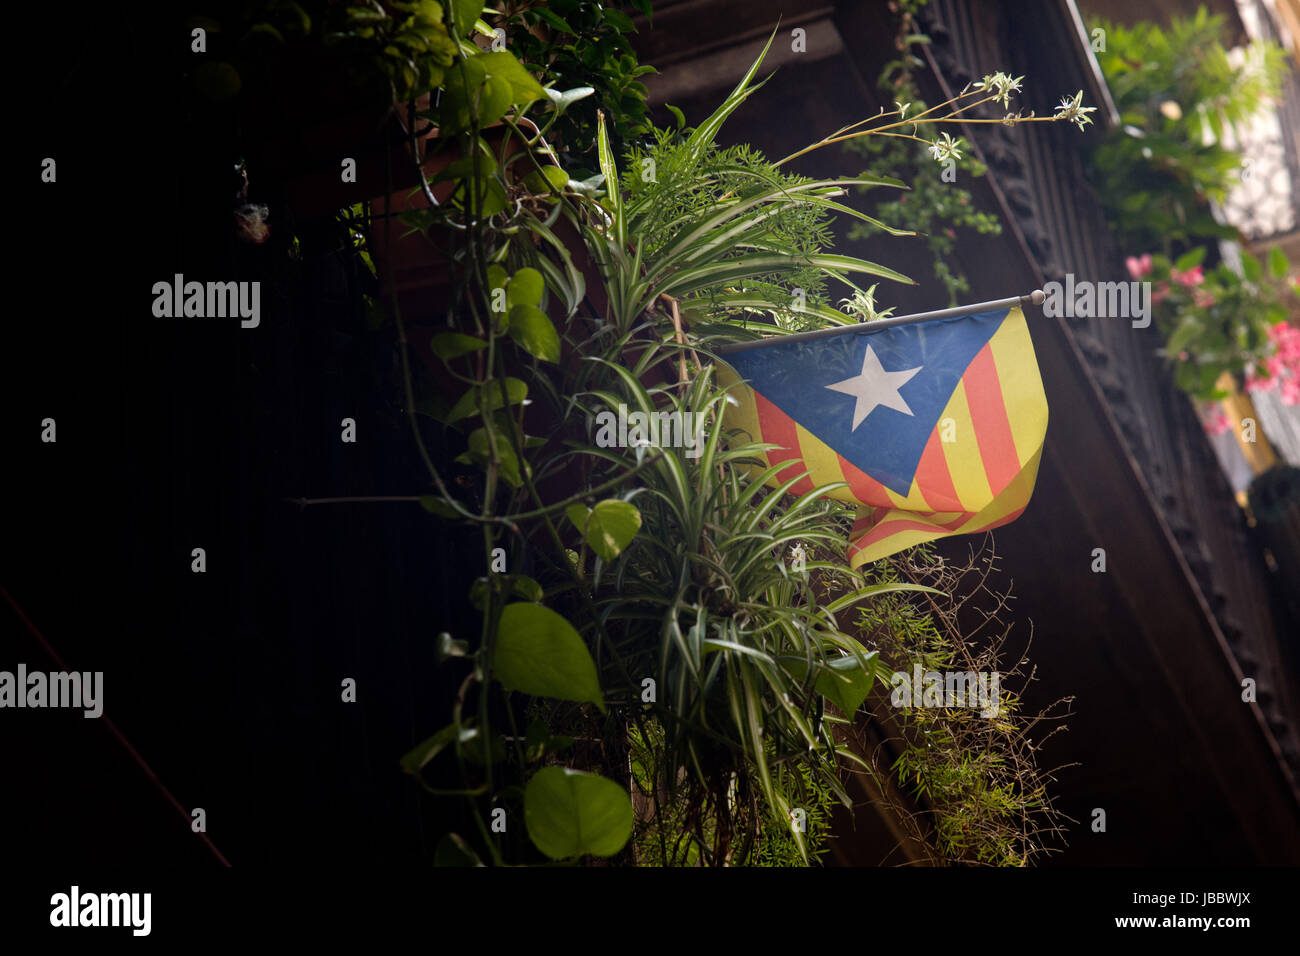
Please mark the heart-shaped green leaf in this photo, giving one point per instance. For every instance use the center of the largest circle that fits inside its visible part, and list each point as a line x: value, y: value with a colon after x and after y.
x: 538, y: 652
x: 502, y: 63
x: 530, y: 327
x: 569, y: 813
x: 481, y: 166
x: 480, y: 453
x: 465, y: 12
x: 842, y: 680
x: 548, y: 177
x: 493, y: 100
x: 846, y: 684
x: 450, y: 345
x: 526, y: 287
x: 609, y: 527
x: 467, y: 404
x: 493, y: 198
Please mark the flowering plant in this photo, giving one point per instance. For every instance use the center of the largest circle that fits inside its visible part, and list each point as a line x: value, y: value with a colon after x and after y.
x: 1221, y: 320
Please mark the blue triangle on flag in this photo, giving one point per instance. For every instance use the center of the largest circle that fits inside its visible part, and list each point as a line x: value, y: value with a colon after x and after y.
x: 888, y: 443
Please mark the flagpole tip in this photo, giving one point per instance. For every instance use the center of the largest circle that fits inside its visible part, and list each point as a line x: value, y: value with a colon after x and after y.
x: 1037, y: 297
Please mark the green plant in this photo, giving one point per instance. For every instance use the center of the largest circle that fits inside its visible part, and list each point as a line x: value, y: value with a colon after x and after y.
x: 982, y: 797
x: 582, y: 44
x: 663, y: 566
x: 1217, y: 321
x: 1177, y: 92
x: 662, y: 637
x: 409, y: 43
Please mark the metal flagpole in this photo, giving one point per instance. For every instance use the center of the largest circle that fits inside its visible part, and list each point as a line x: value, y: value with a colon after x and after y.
x: 861, y: 328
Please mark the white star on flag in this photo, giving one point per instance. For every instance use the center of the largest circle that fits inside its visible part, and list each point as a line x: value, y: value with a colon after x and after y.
x: 873, y: 387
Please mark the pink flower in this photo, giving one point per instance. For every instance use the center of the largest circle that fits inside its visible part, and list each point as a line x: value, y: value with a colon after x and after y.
x: 1256, y: 383
x: 1287, y: 340
x: 1138, y: 267
x: 1216, y: 423
x: 1161, y: 292
x: 1193, y: 276
x: 1202, y: 299
x: 952, y: 233
x: 1183, y: 356
x: 1283, y: 366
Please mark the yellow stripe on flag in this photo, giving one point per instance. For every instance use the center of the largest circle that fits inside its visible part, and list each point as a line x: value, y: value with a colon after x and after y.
x: 1013, y: 354
x: 1014, y: 497
x: 822, y: 463
x: 744, y: 414
x: 965, y: 465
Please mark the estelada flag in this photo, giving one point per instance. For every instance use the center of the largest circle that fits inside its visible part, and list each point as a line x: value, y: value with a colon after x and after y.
x: 936, y: 427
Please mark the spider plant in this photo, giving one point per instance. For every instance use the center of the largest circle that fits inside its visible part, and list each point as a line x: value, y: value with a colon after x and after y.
x: 650, y: 247
x: 744, y: 645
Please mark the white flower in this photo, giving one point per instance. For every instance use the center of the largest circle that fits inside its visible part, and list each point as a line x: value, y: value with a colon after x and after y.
x: 1005, y: 87
x: 1070, y: 109
x: 1002, y: 85
x: 945, y: 148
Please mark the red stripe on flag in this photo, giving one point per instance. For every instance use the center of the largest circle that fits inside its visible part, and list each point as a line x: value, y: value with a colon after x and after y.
x: 961, y: 518
x: 780, y: 429
x: 887, y: 528
x: 956, y: 522
x: 868, y: 520
x: 863, y: 487
x: 988, y: 412
x: 934, y: 479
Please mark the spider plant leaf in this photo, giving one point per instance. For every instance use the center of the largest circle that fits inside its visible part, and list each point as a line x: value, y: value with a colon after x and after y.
x: 613, y: 203
x: 702, y: 137
x: 875, y: 590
